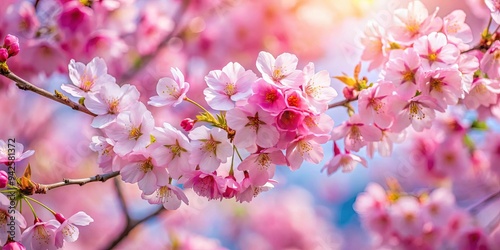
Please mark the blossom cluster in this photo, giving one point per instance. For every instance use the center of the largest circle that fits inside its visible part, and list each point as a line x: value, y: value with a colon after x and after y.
x: 426, y: 221
x: 235, y: 153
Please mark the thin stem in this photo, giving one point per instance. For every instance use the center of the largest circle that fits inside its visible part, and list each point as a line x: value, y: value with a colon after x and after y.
x: 489, y: 24
x: 131, y: 227
x: 43, y: 188
x: 341, y: 103
x: 31, y: 207
x: 58, y: 97
x: 41, y: 204
x: 196, y: 104
x: 476, y: 208
x: 121, y: 198
x: 145, y: 60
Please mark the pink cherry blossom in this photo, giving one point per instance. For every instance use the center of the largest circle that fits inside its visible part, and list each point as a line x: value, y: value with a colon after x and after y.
x: 269, y: 97
x: 418, y: 111
x: 372, y: 105
x: 262, y: 165
x: 210, y: 186
x: 143, y: 170
x: 87, y: 78
x: 317, y: 89
x: 41, y: 235
x: 317, y: 124
x: 295, y: 99
x: 372, y: 206
x: 280, y: 70
x: 228, y: 86
x: 171, y: 91
x: 484, y: 92
x: 386, y: 144
x: 490, y: 63
x: 407, y: 217
x: 356, y: 133
x: 290, y: 119
x: 173, y: 151
x: 346, y: 161
x: 494, y: 6
x: 411, y: 23
x: 306, y: 148
x: 7, y: 213
x: 131, y: 131
x: 435, y: 51
x: 9, y: 150
x: 249, y: 191
x: 106, y: 156
x: 253, y: 127
x: 402, y: 70
x: 451, y: 157
x: 210, y: 148
x: 169, y: 196
x: 456, y: 30
x: 444, y: 85
x: 68, y: 231
x: 110, y: 101
x: 375, y: 45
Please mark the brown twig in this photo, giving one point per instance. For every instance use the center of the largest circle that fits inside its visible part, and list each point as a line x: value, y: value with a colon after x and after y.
x: 341, y: 103
x: 58, y: 97
x: 477, y: 207
x: 121, y: 199
x: 43, y: 188
x: 130, y: 226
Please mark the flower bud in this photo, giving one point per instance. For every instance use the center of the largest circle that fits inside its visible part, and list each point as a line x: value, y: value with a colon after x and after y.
x: 188, y: 124
x: 4, y: 54
x: 13, y: 245
x: 10, y: 40
x: 350, y: 93
x: 4, y: 179
x: 59, y: 217
x: 11, y: 43
x: 14, y: 49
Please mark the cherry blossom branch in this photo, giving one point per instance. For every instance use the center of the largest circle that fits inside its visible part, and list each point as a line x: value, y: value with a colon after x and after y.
x: 131, y: 225
x: 476, y: 208
x: 145, y: 60
x: 43, y: 188
x: 341, y: 103
x: 58, y: 97
x: 123, y: 203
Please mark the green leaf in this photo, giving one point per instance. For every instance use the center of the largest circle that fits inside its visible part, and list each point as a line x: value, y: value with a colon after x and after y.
x: 479, y: 125
x: 469, y: 143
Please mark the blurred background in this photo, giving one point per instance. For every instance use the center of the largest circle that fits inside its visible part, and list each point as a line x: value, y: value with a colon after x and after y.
x: 140, y: 40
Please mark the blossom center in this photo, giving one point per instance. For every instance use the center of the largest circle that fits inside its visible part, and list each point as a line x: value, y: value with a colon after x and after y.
x: 432, y: 57
x: 147, y: 166
x: 210, y: 145
x: 176, y: 149
x: 135, y: 133
x: 264, y: 161
x: 113, y: 106
x: 436, y: 84
x: 163, y: 194
x: 409, y: 76
x: 230, y: 89
x: 416, y: 111
x: 254, y: 122
x: 278, y: 74
x: 376, y: 104
x: 355, y: 133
